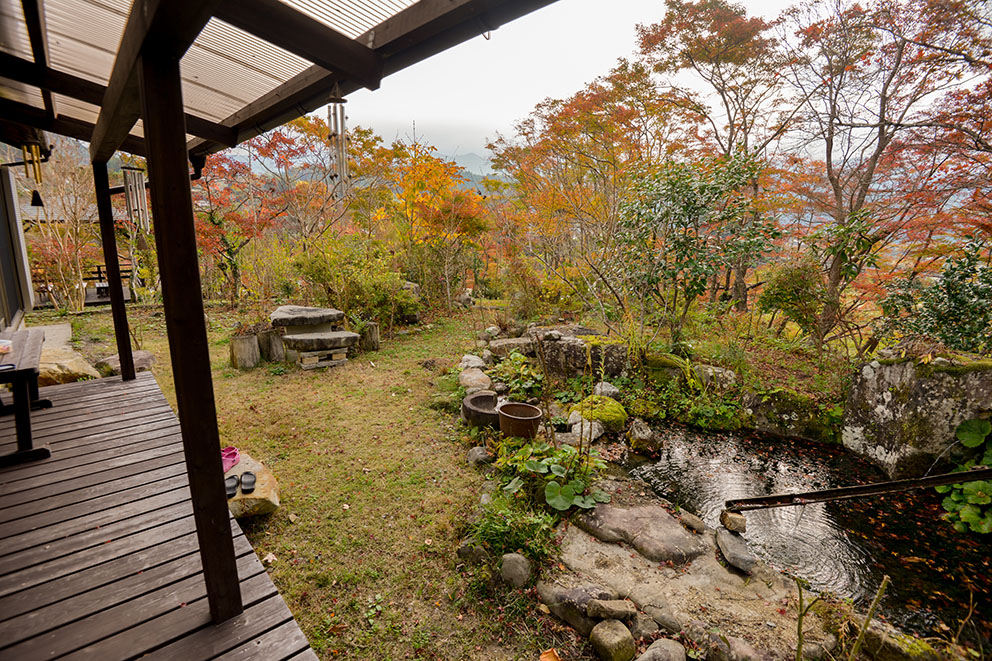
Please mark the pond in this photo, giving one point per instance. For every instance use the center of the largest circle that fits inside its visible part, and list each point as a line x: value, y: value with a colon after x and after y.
x: 841, y: 547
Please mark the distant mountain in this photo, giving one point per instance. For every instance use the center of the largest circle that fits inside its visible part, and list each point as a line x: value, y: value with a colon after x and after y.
x: 473, y: 163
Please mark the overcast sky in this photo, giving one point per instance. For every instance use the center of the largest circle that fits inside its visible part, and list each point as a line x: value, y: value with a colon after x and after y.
x: 462, y: 97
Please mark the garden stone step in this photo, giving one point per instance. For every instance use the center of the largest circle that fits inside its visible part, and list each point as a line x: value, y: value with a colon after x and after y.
x: 320, y: 341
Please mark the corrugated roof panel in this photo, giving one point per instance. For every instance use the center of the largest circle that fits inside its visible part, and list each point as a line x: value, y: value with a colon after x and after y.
x: 350, y: 17
x: 83, y: 36
x: 15, y: 91
x: 13, y: 31
x: 227, y: 68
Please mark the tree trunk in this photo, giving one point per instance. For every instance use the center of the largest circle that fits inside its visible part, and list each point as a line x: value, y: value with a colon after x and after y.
x: 740, y: 288
x: 244, y: 352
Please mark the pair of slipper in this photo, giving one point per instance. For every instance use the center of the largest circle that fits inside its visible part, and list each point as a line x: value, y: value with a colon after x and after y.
x: 230, y: 457
x: 246, y: 481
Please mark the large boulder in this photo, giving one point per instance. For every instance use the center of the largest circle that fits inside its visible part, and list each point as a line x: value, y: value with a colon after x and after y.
x: 264, y: 499
x: 903, y: 414
x: 716, y: 379
x: 569, y: 604
x: 504, y: 347
x: 63, y: 365
x: 567, y: 356
x: 650, y: 529
x: 111, y: 365
x: 782, y: 412
x: 473, y: 380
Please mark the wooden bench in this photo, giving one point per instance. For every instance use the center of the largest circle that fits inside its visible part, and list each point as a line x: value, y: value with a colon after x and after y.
x: 25, y: 355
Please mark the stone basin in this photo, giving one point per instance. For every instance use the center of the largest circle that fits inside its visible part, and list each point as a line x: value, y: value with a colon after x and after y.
x: 320, y: 341
x: 479, y: 409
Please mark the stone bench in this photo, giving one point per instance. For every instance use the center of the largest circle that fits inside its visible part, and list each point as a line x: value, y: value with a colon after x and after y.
x: 326, y: 349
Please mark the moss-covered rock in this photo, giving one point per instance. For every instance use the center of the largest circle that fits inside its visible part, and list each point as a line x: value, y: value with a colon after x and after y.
x: 603, y: 409
x: 646, y: 409
x: 786, y: 413
x: 662, y: 368
x: 566, y: 356
x: 902, y: 413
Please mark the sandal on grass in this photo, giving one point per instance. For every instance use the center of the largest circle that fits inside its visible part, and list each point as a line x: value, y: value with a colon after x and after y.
x: 247, y: 482
x: 231, y: 485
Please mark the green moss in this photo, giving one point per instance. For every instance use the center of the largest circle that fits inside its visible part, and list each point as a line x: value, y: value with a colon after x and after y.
x: 646, y: 409
x: 980, y: 365
x: 661, y: 361
x: 914, y: 648
x: 801, y: 415
x: 606, y: 410
x: 601, y: 340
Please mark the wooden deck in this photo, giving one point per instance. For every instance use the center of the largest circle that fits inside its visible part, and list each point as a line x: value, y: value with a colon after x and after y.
x: 98, y: 552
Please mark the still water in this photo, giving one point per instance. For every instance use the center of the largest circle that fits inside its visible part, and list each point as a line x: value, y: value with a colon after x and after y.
x: 842, y: 547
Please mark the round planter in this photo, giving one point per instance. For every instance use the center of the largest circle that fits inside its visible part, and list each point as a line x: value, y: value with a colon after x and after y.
x: 516, y: 419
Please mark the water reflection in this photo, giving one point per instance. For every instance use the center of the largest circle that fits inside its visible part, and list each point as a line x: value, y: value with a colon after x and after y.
x: 842, y: 547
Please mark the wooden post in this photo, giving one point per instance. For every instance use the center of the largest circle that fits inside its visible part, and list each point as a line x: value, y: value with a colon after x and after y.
x: 175, y: 239
x: 109, y: 239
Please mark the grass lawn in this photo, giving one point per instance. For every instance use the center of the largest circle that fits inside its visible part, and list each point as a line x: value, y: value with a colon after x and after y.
x: 375, y: 494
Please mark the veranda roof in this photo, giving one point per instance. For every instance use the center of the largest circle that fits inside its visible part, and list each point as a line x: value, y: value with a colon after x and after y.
x: 68, y: 66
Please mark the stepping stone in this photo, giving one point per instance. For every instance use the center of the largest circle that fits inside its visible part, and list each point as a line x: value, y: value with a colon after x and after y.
x: 297, y: 315
x: 652, y: 531
x: 320, y: 341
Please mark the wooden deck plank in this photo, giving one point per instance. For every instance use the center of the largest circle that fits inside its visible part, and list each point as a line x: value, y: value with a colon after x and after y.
x: 138, y: 519
x: 178, y: 624
x: 120, y: 618
x: 58, y: 465
x: 139, y: 425
x: 99, y: 556
x: 96, y: 523
x: 280, y: 643
x: 77, y: 512
x: 116, y: 461
x: 80, y: 498
x: 138, y: 560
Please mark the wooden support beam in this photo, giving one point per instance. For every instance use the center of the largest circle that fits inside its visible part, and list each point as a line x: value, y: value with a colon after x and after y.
x: 175, y: 240
x: 34, y: 17
x: 73, y: 128
x: 108, y: 236
x: 159, y: 27
x: 414, y: 34
x: 283, y: 26
x: 75, y: 87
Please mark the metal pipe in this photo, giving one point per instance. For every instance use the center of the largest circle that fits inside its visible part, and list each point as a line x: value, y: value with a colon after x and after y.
x: 844, y: 493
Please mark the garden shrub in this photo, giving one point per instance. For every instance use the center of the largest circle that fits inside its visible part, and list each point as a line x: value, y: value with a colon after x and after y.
x: 969, y: 504
x: 603, y: 409
x: 354, y: 275
x: 796, y: 289
x: 559, y: 476
x: 524, y: 379
x: 955, y: 308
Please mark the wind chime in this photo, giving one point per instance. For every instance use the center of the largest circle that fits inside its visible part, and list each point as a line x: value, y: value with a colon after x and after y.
x: 338, y: 140
x: 32, y: 170
x: 135, y: 198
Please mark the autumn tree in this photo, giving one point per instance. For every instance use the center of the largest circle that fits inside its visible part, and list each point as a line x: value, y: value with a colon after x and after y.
x: 297, y: 160
x: 742, y: 101
x: 232, y: 208
x: 571, y: 163
x: 861, y: 74
x: 436, y: 220
x: 65, y: 231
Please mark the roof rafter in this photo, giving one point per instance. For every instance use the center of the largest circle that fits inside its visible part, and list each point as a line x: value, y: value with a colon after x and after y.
x: 168, y: 27
x: 414, y: 34
x: 22, y: 113
x: 81, y: 89
x: 34, y: 17
x: 283, y: 26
